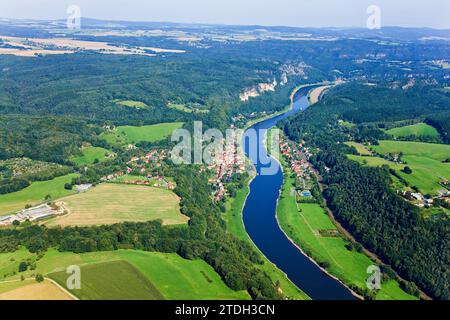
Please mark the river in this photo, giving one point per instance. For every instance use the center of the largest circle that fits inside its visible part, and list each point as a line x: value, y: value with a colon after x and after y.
x: 260, y: 221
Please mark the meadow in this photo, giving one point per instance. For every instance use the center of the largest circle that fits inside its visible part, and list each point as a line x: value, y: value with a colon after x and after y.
x: 115, y: 203
x: 35, y: 194
x: 172, y: 276
x: 360, y: 148
x: 306, y: 225
x: 90, y: 154
x: 184, y: 108
x: 419, y: 129
x: 124, y: 135
x: 425, y: 160
x: 132, y: 104
x: 235, y: 226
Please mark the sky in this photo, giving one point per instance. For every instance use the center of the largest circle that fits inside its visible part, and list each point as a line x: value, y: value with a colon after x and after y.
x: 299, y: 13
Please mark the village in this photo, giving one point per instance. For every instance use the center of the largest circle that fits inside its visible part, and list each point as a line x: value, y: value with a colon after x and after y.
x: 223, y: 166
x: 143, y: 170
x: 297, y: 156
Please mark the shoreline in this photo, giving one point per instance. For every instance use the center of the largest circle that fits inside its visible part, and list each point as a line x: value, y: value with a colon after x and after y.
x: 277, y: 203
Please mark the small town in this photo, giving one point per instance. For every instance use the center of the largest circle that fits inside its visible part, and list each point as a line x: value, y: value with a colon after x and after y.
x: 223, y: 166
x: 297, y: 156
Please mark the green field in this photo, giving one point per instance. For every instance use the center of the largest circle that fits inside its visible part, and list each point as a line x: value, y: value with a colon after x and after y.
x: 235, y: 225
x: 130, y: 134
x: 173, y: 277
x: 375, y: 162
x: 184, y: 108
x: 303, y: 223
x: 132, y: 104
x: 425, y: 159
x: 116, y: 280
x: 35, y: 194
x: 419, y: 129
x: 114, y: 203
x: 360, y: 148
x: 90, y: 154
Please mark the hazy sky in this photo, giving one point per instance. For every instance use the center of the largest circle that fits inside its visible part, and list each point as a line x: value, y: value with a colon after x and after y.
x: 303, y: 13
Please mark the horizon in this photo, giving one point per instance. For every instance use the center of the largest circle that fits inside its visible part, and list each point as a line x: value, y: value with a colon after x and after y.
x: 227, y: 24
x: 320, y: 14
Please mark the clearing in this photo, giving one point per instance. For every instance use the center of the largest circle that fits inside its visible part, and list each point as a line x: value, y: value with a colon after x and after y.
x: 419, y: 130
x: 360, y: 148
x: 90, y: 154
x: 132, y: 104
x: 35, y: 194
x: 115, y: 203
x: 130, y: 134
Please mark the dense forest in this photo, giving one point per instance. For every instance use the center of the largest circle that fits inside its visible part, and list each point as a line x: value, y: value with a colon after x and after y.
x: 360, y: 197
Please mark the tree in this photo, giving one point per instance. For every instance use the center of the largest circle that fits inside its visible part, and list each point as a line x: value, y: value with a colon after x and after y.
x: 39, y: 277
x: 68, y: 186
x: 23, y: 266
x: 407, y: 170
x: 16, y: 223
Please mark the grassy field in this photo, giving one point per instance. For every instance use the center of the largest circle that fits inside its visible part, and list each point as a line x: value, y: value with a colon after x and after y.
x: 182, y: 107
x: 35, y: 194
x: 89, y: 155
x: 425, y: 160
x: 235, y: 225
x: 132, y: 104
x: 173, y: 277
x: 115, y: 280
x: 304, y: 223
x: 114, y: 203
x: 130, y: 134
x: 419, y: 129
x: 362, y: 150
x: 31, y: 290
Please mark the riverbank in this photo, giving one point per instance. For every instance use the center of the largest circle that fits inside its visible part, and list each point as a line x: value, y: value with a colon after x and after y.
x: 235, y: 225
x: 287, y: 108
x: 308, y: 226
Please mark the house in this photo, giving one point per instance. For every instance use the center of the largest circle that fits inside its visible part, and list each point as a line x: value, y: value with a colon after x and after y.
x: 306, y: 193
x: 417, y: 196
x: 83, y: 187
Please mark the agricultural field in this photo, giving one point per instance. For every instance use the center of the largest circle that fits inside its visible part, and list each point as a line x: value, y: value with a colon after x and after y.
x: 235, y: 226
x: 309, y: 226
x: 32, y: 290
x: 132, y: 104
x: 419, y: 130
x: 171, y: 276
x: 90, y: 155
x: 115, y: 203
x: 115, y: 280
x: 360, y: 148
x: 35, y: 194
x: 425, y: 160
x: 130, y: 134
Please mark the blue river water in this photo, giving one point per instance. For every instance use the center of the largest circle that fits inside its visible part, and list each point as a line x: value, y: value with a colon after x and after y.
x: 260, y: 221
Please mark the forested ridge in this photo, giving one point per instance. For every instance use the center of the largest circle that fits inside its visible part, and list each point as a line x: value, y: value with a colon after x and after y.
x: 360, y: 197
